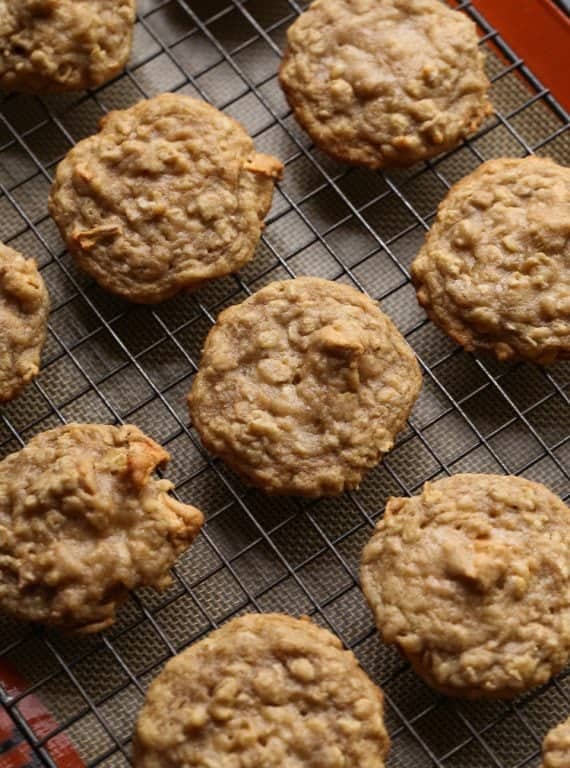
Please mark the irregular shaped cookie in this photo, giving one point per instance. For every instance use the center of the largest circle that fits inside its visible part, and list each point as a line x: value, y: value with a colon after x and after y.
x: 471, y: 580
x: 385, y: 83
x: 63, y: 45
x: 494, y: 271
x: 24, y: 309
x: 556, y: 747
x: 168, y: 194
x: 303, y: 387
x: 264, y: 691
x: 82, y: 521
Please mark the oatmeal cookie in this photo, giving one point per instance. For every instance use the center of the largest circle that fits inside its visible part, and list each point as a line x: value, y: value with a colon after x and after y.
x: 51, y: 46
x: 471, y: 581
x: 24, y: 308
x: 303, y: 387
x: 494, y: 272
x: 170, y: 193
x: 556, y: 747
x: 264, y: 691
x: 385, y: 83
x: 82, y: 521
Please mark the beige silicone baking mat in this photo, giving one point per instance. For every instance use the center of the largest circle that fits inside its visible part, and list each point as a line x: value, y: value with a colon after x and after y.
x: 75, y: 701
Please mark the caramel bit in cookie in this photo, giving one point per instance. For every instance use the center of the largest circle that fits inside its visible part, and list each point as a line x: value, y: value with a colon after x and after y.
x: 479, y: 564
x: 265, y: 165
x: 339, y: 343
x: 52, y: 46
x: 24, y: 307
x: 142, y: 460
x: 102, y: 525
x: 494, y: 271
x: 471, y: 581
x: 168, y: 195
x: 89, y: 238
x: 303, y: 387
x: 267, y: 691
x: 385, y: 83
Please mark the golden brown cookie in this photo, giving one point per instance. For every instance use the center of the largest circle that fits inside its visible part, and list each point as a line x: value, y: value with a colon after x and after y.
x: 556, y: 747
x: 24, y: 308
x: 63, y: 45
x: 471, y: 580
x: 82, y: 522
x: 264, y: 691
x: 385, y: 83
x: 303, y: 387
x: 170, y: 193
x: 494, y: 271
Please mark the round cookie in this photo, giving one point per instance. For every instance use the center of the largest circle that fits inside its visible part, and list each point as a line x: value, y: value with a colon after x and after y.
x: 170, y: 193
x: 556, y: 747
x: 303, y: 387
x: 494, y: 271
x: 385, y: 83
x: 471, y: 581
x: 82, y: 521
x: 24, y: 308
x: 264, y: 691
x: 51, y: 46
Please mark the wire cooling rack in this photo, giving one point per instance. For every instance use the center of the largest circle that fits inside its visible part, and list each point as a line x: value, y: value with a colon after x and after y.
x: 74, y: 702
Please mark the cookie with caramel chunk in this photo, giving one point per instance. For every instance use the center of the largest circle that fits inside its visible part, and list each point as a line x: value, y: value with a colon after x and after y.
x: 494, y: 271
x: 303, y: 387
x: 83, y: 521
x: 471, y: 580
x: 169, y: 194
x: 385, y: 82
x: 24, y: 308
x: 556, y: 746
x: 264, y: 691
x: 52, y: 46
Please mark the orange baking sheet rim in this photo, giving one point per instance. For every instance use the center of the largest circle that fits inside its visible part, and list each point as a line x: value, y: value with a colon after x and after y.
x: 538, y: 31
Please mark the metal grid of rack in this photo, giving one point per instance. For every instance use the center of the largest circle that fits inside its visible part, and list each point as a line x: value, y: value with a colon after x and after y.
x: 111, y: 362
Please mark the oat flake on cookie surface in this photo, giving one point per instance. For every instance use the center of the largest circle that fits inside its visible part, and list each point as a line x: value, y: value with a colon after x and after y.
x: 303, y: 386
x: 24, y: 308
x: 83, y: 521
x: 63, y: 45
x: 556, y: 747
x: 169, y: 194
x: 385, y: 82
x: 264, y: 691
x: 471, y: 580
x: 494, y: 271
